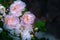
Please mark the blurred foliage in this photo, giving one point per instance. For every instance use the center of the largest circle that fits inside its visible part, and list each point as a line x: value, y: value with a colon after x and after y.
x: 5, y: 3
x: 1, y: 24
x: 25, y: 10
x: 41, y: 25
x: 5, y: 36
x: 35, y: 38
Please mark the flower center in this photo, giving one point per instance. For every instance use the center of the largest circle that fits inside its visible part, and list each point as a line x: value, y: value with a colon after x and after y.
x: 16, y: 8
x: 26, y: 17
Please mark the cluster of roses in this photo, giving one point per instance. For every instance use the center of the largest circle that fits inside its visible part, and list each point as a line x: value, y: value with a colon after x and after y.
x: 15, y: 24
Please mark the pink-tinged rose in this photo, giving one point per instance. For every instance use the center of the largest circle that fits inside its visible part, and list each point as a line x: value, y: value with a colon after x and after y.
x: 28, y: 18
x: 17, y: 7
x: 11, y: 20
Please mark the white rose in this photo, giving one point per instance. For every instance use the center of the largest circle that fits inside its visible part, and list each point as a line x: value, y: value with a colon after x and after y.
x: 2, y: 10
x: 26, y: 35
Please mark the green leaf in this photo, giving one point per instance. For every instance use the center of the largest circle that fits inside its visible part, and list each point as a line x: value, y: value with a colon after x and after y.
x: 41, y: 25
x: 1, y: 24
x: 5, y: 36
x: 25, y: 10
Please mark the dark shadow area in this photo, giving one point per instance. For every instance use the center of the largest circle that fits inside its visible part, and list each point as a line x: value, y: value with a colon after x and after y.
x: 49, y: 9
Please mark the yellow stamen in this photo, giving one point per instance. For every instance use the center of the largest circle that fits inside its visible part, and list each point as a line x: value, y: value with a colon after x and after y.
x: 26, y: 18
